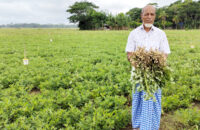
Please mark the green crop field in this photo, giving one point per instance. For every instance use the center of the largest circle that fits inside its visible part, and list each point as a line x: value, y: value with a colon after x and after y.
x: 80, y: 80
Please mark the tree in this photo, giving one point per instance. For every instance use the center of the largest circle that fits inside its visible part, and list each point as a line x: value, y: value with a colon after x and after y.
x: 97, y: 19
x: 111, y: 21
x: 163, y: 16
x: 135, y: 14
x: 80, y: 13
x: 122, y: 20
x: 176, y: 19
x: 185, y: 14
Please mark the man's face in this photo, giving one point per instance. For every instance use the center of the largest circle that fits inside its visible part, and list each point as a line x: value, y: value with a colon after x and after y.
x: 148, y: 15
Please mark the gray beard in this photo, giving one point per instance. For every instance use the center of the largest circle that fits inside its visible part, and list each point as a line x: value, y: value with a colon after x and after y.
x: 147, y: 25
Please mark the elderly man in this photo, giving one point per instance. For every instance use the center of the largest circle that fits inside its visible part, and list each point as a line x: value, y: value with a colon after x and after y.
x: 146, y: 114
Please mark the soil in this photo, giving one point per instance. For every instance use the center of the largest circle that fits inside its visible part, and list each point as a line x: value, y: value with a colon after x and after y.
x: 35, y: 91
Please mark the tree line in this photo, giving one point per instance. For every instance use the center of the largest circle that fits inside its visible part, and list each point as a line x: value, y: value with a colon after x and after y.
x: 178, y: 15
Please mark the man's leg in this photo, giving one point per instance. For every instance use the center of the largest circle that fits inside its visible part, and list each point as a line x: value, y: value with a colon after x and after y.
x: 136, y: 108
x: 151, y: 112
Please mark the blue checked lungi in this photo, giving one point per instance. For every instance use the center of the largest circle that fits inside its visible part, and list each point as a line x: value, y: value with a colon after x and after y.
x: 146, y: 114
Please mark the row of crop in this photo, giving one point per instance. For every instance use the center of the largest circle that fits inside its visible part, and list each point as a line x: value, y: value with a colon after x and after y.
x: 60, y: 109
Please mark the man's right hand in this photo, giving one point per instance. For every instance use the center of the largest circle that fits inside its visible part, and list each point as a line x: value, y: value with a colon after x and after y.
x: 128, y: 56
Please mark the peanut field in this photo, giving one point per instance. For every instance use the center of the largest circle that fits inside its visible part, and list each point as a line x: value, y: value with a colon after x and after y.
x: 79, y: 80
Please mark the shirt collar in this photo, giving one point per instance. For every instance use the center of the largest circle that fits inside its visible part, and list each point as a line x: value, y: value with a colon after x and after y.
x: 152, y: 28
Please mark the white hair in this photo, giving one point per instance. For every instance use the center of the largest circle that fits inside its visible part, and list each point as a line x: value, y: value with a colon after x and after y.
x: 146, y: 7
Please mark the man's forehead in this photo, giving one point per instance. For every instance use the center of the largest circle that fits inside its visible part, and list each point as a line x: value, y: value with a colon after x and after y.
x: 149, y: 11
x: 148, y: 8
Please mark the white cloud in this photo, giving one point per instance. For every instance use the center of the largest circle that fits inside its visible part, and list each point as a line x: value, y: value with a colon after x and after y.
x: 54, y: 11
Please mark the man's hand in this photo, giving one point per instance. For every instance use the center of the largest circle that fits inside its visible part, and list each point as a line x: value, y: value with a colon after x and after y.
x: 166, y: 55
x: 128, y: 56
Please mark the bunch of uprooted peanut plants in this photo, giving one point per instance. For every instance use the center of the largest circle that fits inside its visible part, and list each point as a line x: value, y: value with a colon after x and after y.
x: 151, y: 71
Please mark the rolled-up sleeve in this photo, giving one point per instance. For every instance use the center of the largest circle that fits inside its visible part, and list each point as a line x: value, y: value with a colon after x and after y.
x: 130, y: 47
x: 164, y: 45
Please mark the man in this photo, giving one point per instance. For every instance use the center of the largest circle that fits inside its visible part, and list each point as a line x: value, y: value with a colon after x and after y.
x: 146, y: 114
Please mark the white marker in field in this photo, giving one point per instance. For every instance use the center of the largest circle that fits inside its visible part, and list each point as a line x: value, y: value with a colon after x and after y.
x: 192, y: 46
x: 25, y: 61
x: 51, y: 40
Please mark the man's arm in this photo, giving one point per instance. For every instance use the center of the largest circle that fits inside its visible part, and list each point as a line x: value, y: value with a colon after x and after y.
x: 131, y: 45
x: 164, y: 45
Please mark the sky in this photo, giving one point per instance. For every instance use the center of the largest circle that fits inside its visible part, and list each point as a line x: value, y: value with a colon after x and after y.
x: 54, y: 11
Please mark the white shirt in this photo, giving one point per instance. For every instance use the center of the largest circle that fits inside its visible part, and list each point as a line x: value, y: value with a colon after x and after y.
x: 155, y: 39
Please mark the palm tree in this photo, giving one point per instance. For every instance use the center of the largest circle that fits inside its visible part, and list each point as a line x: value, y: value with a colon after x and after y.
x: 163, y: 16
x: 176, y: 20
